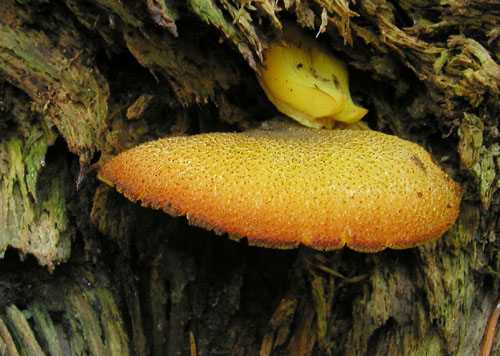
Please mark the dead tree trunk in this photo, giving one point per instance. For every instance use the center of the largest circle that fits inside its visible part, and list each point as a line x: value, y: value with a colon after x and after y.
x: 85, y: 271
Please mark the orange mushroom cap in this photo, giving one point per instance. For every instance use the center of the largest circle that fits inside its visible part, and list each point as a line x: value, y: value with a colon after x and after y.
x: 281, y: 188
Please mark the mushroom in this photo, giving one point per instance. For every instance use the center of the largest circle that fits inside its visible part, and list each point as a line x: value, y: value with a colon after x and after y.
x: 297, y: 71
x: 288, y: 186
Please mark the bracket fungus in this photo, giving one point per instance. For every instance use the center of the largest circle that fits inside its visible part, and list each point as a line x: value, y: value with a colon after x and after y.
x: 281, y: 188
x: 297, y: 71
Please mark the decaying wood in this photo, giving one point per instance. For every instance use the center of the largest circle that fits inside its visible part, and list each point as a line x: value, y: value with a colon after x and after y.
x: 83, y: 80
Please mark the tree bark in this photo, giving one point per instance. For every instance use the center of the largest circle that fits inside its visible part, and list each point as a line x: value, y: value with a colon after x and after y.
x: 85, y: 271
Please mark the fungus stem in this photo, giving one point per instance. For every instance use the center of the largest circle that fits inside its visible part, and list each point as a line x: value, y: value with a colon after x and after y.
x: 489, y: 334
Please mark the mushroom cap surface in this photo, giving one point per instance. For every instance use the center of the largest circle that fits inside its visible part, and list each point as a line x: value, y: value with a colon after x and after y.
x: 298, y: 71
x: 281, y: 188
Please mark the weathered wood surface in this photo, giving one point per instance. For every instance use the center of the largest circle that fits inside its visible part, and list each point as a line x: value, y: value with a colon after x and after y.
x: 81, y: 81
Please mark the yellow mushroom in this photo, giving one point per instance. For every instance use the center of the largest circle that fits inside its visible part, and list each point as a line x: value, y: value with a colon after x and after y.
x: 306, y: 82
x: 281, y: 188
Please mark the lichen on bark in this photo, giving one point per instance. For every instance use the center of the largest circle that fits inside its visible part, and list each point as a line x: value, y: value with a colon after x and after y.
x: 32, y: 202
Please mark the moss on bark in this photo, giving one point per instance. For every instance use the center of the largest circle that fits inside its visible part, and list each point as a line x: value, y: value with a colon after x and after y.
x: 83, y: 80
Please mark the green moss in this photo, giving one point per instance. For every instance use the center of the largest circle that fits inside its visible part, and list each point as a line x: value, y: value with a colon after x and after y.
x: 209, y: 12
x: 54, y: 73
x: 45, y: 328
x: 33, y: 212
x: 321, y: 307
x: 22, y: 332
x: 478, y: 156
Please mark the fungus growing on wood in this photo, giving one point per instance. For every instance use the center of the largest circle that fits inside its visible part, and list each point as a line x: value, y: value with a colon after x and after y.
x: 297, y: 71
x: 281, y: 188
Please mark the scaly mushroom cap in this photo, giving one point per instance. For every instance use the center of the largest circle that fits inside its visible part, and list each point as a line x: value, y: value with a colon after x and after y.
x: 297, y: 71
x: 322, y: 188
